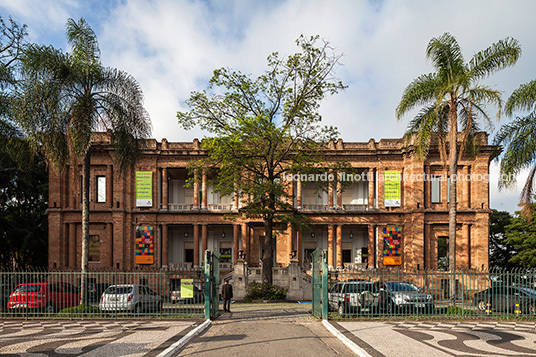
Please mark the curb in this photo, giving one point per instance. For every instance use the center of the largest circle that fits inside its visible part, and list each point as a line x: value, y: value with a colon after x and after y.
x: 349, y: 343
x: 172, y: 350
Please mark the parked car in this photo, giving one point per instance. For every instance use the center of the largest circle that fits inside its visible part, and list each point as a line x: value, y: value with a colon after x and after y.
x: 505, y: 298
x: 46, y: 297
x: 353, y: 297
x: 5, y: 291
x: 95, y: 290
x: 399, y: 296
x: 130, y: 298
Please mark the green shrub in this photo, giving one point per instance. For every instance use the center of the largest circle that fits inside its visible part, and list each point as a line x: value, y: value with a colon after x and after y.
x: 264, y: 291
x: 80, y: 311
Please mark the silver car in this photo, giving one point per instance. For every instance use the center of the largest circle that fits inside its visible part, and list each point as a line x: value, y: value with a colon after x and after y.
x: 401, y: 296
x: 130, y: 298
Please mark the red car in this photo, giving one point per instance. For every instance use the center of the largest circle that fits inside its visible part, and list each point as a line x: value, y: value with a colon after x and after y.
x: 46, y: 297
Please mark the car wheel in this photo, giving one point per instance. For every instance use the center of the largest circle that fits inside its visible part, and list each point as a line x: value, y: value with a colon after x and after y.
x: 532, y: 309
x: 49, y: 308
x: 342, y: 310
x: 137, y: 308
x: 482, y: 305
x: 159, y: 307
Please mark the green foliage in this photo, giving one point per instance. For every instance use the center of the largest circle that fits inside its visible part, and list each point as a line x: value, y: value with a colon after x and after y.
x: 519, y: 136
x: 23, y: 202
x: 265, y: 128
x: 264, y: 291
x: 80, y: 311
x: 500, y: 252
x: 455, y: 310
x: 521, y: 234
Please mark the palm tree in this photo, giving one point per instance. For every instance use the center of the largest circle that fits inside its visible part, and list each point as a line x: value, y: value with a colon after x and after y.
x: 453, y: 97
x: 66, y: 97
x: 520, y: 138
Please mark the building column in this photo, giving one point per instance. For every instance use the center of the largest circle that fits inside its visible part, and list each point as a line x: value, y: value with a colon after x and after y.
x: 466, y: 187
x: 196, y: 245
x: 299, y: 246
x: 110, y: 245
x: 236, y: 233
x: 330, y: 245
x: 339, y: 246
x: 299, y: 194
x: 72, y: 245
x: 339, y: 194
x: 109, y: 186
x: 330, y: 195
x: 165, y: 187
x: 427, y: 246
x: 72, y: 188
x: 164, y: 247
x: 290, y: 238
x: 236, y: 198
x: 196, y: 189
x: 427, y: 187
x: 204, y: 239
x: 204, y: 190
x: 371, y: 188
x: 371, y: 246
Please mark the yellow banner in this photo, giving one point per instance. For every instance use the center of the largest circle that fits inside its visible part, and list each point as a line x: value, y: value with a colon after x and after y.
x: 392, y: 188
x: 144, y: 189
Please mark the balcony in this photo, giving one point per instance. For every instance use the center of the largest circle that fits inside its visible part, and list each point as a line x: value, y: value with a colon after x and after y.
x: 180, y: 207
x: 315, y: 207
x: 220, y: 207
x: 355, y: 208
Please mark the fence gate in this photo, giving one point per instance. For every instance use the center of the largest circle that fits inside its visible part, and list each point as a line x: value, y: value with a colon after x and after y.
x: 212, y: 284
x: 320, y: 283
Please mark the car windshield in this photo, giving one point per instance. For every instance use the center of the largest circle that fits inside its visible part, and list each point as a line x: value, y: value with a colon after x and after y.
x: 528, y: 291
x: 119, y: 290
x: 395, y: 286
x: 28, y: 289
x: 357, y: 288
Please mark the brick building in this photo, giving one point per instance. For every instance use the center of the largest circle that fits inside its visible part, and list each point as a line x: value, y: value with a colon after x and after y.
x: 147, y: 218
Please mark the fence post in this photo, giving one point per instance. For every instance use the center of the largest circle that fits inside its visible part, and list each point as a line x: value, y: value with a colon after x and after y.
x: 324, y: 297
x: 208, y: 294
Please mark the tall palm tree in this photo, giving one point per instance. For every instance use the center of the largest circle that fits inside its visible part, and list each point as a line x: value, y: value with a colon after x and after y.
x: 453, y: 100
x: 520, y: 138
x: 66, y: 97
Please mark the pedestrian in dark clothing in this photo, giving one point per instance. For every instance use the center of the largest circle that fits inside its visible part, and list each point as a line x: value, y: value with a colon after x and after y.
x: 227, y: 295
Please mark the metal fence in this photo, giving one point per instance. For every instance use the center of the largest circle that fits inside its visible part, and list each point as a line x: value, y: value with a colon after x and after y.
x: 111, y: 294
x: 493, y: 293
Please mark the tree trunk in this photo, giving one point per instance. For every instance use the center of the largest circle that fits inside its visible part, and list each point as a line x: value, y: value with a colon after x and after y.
x: 85, y: 228
x: 453, y: 170
x: 267, y: 256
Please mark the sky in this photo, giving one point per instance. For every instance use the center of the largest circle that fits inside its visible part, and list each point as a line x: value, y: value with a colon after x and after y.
x: 172, y: 47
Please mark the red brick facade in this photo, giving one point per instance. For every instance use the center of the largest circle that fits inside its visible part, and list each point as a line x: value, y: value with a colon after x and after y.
x: 349, y: 224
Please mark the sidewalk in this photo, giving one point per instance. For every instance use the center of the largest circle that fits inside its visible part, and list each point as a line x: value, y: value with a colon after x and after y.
x: 441, y: 338
x: 285, y: 329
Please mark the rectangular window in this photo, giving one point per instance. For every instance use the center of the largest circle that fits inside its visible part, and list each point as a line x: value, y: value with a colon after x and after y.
x: 94, y: 248
x: 101, y: 189
x: 435, y: 185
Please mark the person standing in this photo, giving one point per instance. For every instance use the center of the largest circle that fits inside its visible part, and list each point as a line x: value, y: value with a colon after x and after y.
x: 227, y: 295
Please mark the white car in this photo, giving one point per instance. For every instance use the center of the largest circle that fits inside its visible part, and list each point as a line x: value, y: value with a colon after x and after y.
x: 131, y: 298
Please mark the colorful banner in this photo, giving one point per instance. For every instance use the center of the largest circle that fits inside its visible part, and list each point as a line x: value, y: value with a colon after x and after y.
x: 392, y: 246
x: 391, y: 188
x: 144, y: 245
x: 187, y: 288
x: 144, y: 188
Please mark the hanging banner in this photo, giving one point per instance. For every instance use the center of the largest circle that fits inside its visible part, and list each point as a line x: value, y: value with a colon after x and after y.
x: 144, y: 245
x: 144, y: 188
x: 391, y: 188
x: 187, y: 288
x: 392, y: 246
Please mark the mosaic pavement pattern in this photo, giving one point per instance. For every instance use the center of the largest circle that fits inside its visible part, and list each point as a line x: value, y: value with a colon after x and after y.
x: 89, y: 337
x: 444, y: 338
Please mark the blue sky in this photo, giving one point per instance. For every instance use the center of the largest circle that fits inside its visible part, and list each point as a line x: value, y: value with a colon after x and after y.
x: 172, y: 46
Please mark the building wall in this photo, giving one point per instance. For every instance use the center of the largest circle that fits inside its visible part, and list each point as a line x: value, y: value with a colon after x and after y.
x: 422, y: 220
